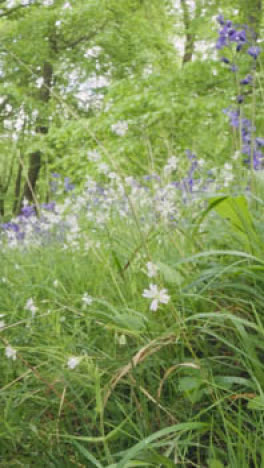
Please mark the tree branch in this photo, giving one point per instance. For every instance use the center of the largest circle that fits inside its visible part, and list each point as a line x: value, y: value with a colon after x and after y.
x: 85, y: 38
x: 10, y: 11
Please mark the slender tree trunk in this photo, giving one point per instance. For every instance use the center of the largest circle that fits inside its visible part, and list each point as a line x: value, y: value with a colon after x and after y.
x: 17, y: 188
x: 5, y: 180
x: 189, y: 34
x: 2, y: 203
x: 32, y: 176
x: 35, y: 158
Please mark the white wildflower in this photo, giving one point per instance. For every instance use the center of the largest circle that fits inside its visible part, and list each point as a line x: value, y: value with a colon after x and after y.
x: 31, y: 306
x: 66, y: 5
x: 86, y: 300
x: 120, y: 128
x: 228, y: 167
x: 103, y: 168
x: 156, y: 295
x: 55, y: 283
x: 201, y: 162
x: 236, y: 155
x: 39, y: 82
x: 8, y: 124
x: 8, y: 108
x: 170, y: 166
x: 73, y: 362
x: 10, y: 353
x: 152, y: 269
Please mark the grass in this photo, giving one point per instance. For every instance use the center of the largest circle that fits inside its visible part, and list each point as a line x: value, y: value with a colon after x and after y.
x: 182, y: 386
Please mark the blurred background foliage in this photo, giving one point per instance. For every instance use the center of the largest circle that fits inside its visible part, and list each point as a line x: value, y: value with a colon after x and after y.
x: 71, y: 70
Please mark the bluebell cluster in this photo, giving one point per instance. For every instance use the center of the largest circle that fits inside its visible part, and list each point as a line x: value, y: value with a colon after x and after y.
x: 156, y: 198
x: 230, y: 34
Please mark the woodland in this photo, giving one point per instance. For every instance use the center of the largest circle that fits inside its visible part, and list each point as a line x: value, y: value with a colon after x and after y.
x: 131, y: 233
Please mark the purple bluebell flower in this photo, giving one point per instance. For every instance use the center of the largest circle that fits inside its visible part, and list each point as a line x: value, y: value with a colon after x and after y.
x: 234, y: 68
x: 10, y: 226
x: 49, y: 206
x: 254, y: 51
x: 260, y: 141
x: 55, y: 175
x: 246, y: 80
x: 240, y: 99
x: 68, y: 186
x: 247, y: 125
x: 225, y: 60
x: 246, y: 138
x: 191, y: 156
x: 233, y: 116
x: 233, y: 35
x: 257, y: 160
x: 246, y: 149
x: 242, y: 36
x: 221, y: 43
x: 220, y: 20
x: 27, y: 211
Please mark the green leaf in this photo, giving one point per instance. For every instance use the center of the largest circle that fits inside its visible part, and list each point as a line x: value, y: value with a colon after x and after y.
x: 257, y: 403
x: 171, y: 275
x: 215, y: 464
x: 87, y: 455
x: 146, y: 443
x: 187, y: 384
x: 234, y: 209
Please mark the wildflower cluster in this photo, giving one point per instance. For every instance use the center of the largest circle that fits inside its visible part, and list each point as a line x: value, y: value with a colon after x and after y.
x: 156, y: 198
x: 230, y: 34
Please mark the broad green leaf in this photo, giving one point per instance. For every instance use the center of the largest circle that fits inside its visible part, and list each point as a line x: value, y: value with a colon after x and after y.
x: 235, y: 210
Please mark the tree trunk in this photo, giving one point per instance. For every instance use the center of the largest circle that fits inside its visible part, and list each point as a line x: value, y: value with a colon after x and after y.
x: 35, y: 158
x: 2, y: 203
x: 32, y: 176
x: 17, y: 188
x: 189, y: 34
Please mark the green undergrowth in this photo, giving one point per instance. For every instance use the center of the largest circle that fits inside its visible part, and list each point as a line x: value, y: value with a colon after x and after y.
x: 182, y: 386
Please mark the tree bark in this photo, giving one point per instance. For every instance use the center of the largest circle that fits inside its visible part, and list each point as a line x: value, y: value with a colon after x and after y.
x: 17, y: 188
x: 2, y: 203
x: 42, y: 128
x: 189, y: 34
